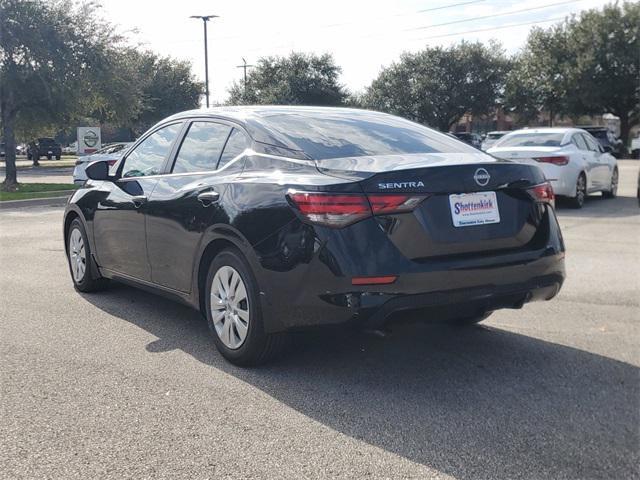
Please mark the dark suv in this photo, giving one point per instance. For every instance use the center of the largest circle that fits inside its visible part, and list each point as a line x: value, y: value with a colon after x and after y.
x: 44, y: 147
x: 607, y: 139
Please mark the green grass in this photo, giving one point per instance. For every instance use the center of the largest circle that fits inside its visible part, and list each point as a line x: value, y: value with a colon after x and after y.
x: 37, y: 190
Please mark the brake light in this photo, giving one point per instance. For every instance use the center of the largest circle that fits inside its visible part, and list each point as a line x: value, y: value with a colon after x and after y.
x: 381, y: 203
x: 340, y: 210
x: 543, y: 193
x: 332, y: 210
x: 557, y: 160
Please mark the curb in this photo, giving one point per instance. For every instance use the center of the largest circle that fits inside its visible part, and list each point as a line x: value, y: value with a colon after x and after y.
x: 35, y: 202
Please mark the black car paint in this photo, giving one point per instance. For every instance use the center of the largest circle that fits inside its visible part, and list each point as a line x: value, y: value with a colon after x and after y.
x: 154, y: 233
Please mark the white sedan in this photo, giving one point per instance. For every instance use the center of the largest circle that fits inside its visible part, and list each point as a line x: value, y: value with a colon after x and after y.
x: 111, y: 153
x: 572, y: 160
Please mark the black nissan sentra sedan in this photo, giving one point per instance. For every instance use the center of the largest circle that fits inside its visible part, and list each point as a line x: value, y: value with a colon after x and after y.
x: 269, y: 219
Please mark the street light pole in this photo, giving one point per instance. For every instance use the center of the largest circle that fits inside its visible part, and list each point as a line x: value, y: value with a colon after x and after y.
x: 244, y: 66
x: 205, y: 19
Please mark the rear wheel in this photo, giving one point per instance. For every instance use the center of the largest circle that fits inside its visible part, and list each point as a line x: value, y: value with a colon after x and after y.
x: 234, y: 314
x: 581, y: 192
x: 79, y: 256
x: 613, y: 186
x: 58, y: 157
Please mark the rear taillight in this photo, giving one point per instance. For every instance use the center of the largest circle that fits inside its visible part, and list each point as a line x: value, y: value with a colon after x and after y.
x: 543, y: 193
x: 340, y: 210
x: 557, y: 160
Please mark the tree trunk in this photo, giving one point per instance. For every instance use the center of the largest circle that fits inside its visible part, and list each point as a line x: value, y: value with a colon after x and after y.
x: 8, y: 132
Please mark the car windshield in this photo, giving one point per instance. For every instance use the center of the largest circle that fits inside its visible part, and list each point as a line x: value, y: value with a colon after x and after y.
x: 354, y: 135
x: 540, y: 139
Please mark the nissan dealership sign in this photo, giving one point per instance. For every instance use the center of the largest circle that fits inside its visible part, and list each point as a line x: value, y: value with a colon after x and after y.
x: 88, y: 140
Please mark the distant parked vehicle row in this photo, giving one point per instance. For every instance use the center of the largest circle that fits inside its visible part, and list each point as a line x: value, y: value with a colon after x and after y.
x: 111, y: 152
x: 470, y: 138
x: 491, y: 138
x: 571, y: 159
x: 44, y: 147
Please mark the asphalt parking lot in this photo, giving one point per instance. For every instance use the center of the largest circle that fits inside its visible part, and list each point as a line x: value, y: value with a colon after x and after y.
x: 124, y: 384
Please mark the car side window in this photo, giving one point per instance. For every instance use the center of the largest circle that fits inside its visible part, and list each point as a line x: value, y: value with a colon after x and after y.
x: 591, y: 143
x: 201, y: 147
x: 237, y: 143
x: 148, y: 157
x: 579, y: 142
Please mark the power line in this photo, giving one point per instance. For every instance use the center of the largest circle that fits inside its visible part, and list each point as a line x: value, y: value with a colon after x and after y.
x: 493, y: 28
x: 446, y: 6
x: 503, y: 14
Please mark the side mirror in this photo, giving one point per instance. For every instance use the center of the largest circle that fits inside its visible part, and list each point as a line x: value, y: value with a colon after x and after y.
x: 98, y: 170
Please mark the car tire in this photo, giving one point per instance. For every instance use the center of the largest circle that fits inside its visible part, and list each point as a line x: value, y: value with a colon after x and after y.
x: 58, y: 157
x: 472, y: 320
x: 49, y: 157
x: 230, y: 289
x: 613, y: 187
x: 85, y: 278
x: 581, y: 192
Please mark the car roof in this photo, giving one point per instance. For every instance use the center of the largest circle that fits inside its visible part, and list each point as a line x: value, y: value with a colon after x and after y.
x: 255, y: 118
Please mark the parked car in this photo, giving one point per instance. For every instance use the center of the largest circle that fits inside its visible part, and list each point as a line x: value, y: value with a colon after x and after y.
x: 573, y: 161
x: 71, y: 149
x: 269, y: 219
x: 44, y: 147
x: 607, y: 139
x: 472, y: 139
x: 111, y: 153
x: 491, y: 138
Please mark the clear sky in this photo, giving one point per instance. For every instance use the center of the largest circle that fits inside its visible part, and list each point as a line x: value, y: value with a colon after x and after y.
x: 363, y: 36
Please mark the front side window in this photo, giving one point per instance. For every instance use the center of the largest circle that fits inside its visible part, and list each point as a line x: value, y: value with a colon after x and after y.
x: 148, y: 157
x: 237, y: 143
x: 201, y: 148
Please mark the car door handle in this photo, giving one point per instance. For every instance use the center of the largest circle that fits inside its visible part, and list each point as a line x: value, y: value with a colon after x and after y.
x: 207, y: 198
x: 138, y: 200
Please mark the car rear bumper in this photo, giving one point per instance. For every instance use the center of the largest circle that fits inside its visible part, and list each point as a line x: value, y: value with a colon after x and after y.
x: 449, y: 291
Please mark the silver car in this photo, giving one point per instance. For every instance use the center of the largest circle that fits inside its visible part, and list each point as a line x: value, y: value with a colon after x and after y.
x: 111, y: 152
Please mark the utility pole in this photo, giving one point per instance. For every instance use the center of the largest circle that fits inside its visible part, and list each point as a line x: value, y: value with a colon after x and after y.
x: 205, y: 19
x: 244, y: 66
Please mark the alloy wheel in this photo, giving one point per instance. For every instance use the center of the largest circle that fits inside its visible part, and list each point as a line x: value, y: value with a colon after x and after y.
x: 614, y: 183
x: 230, y: 307
x: 77, y: 255
x: 581, y: 190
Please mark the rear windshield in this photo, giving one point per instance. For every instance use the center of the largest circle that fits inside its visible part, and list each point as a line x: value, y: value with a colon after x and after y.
x: 532, y: 140
x: 337, y: 135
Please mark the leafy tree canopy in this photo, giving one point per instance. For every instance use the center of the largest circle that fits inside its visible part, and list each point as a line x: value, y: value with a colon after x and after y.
x: 299, y: 79
x: 437, y: 86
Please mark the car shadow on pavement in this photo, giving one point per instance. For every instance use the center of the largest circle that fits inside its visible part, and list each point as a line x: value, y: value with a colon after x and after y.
x: 598, y: 207
x: 477, y: 402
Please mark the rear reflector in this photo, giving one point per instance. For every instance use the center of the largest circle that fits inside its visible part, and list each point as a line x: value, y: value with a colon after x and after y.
x: 339, y: 210
x: 559, y: 160
x: 385, y: 280
x: 543, y: 193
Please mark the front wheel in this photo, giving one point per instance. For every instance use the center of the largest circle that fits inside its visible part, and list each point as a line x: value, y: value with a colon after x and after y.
x: 613, y: 186
x: 581, y: 192
x: 234, y: 313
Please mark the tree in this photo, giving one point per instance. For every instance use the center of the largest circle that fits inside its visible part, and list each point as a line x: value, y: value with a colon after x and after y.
x: 605, y: 48
x: 166, y: 86
x: 50, y: 54
x: 539, y: 79
x: 437, y: 86
x: 588, y: 64
x: 299, y: 79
